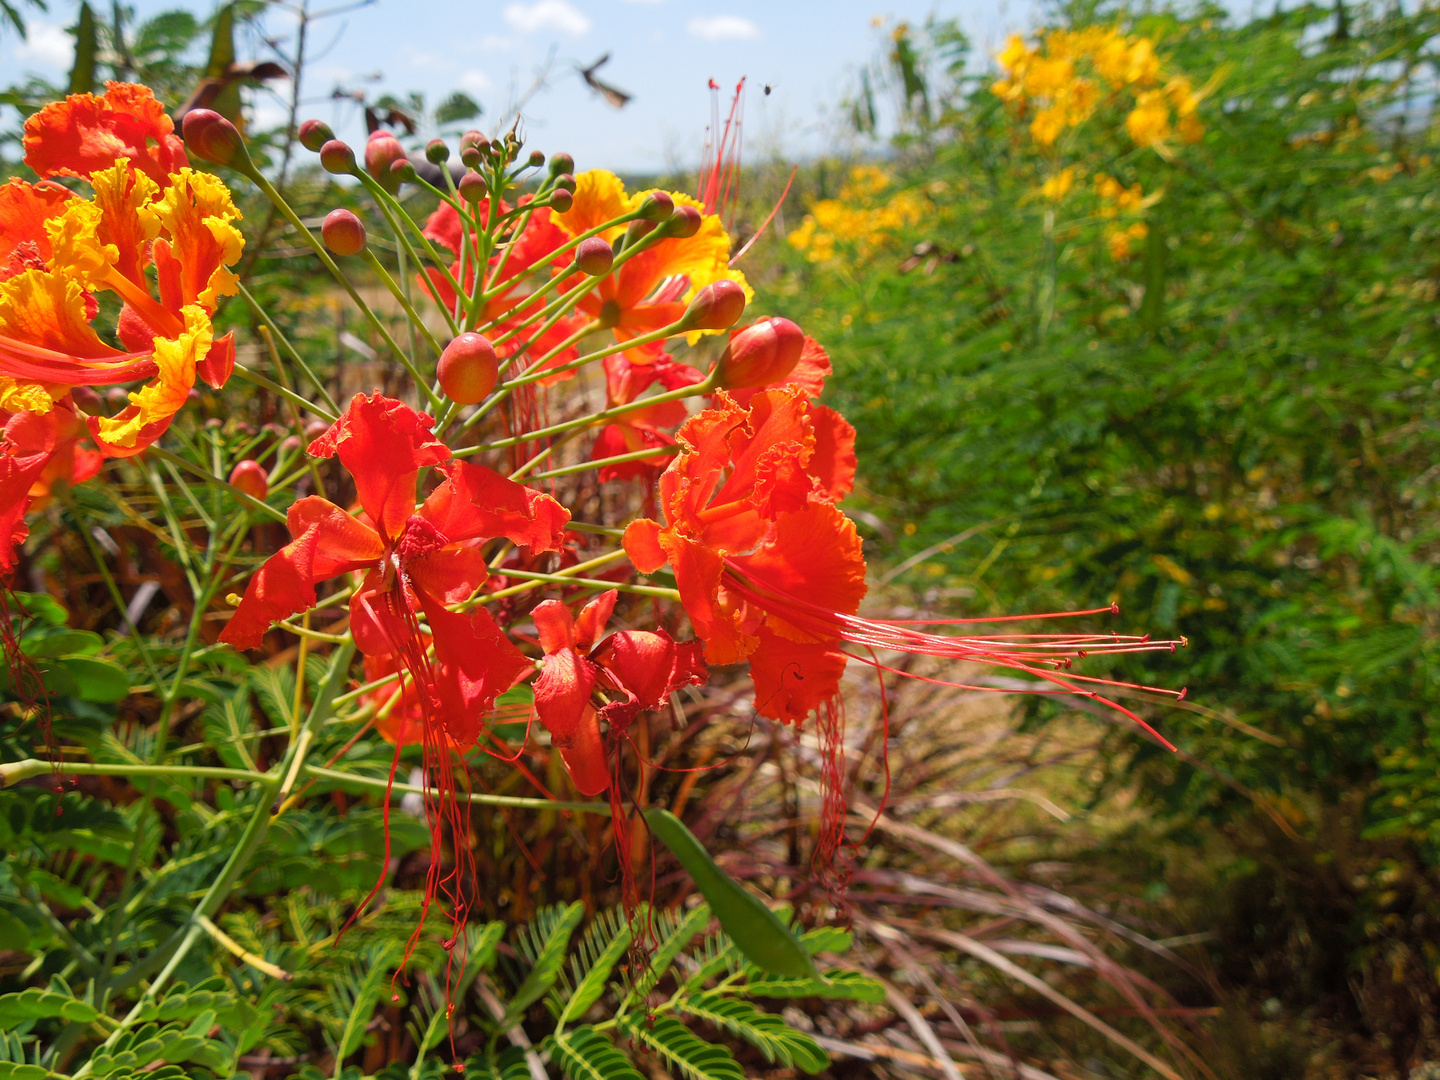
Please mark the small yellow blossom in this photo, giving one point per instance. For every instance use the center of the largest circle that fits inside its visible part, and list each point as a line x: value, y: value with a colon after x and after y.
x: 1057, y: 186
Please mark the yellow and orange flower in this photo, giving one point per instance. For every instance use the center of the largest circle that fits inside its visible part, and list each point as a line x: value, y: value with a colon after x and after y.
x: 58, y: 249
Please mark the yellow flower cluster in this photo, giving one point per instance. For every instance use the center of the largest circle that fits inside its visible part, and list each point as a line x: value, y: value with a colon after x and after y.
x: 861, y: 218
x: 1061, y: 78
x: 1116, y: 200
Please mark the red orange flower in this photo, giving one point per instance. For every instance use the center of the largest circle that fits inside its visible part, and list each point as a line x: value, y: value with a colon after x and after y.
x: 581, y: 683
x: 641, y: 429
x: 85, y: 133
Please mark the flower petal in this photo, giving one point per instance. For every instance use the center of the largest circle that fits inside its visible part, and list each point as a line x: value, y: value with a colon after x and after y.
x: 199, y: 215
x: 85, y: 133
x: 476, y: 502
x: 793, y: 678
x: 474, y: 663
x: 24, y: 209
x: 599, y: 197
x: 384, y: 444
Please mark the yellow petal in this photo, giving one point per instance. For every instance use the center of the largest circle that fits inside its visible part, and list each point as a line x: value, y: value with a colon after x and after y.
x: 599, y: 197
x: 77, y: 249
x: 165, y: 396
x: 198, y: 214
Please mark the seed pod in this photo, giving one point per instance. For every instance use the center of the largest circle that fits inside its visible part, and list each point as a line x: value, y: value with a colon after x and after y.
x: 594, y: 256
x: 718, y: 306
x: 314, y: 134
x: 468, y: 369
x: 337, y: 158
x: 343, y: 232
x: 210, y: 137
x: 761, y: 354
x: 249, y: 476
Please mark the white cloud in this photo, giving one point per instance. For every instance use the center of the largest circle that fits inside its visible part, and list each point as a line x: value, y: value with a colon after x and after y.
x: 422, y: 58
x: 496, y: 43
x: 48, y: 46
x: 723, y: 28
x: 557, y: 15
x: 475, y: 81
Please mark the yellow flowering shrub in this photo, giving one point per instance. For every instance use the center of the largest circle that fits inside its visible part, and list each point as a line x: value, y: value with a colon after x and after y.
x: 859, y: 220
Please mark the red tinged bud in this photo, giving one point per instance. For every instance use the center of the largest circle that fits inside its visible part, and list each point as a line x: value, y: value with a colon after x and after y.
x: 472, y: 187
x: 637, y: 231
x: 561, y: 201
x: 404, y: 170
x: 337, y: 158
x: 343, y: 232
x: 468, y: 369
x: 436, y: 152
x: 536, y: 159
x: 658, y: 206
x: 761, y: 354
x: 594, y: 256
x: 718, y: 306
x: 381, y: 151
x: 314, y: 134
x: 566, y: 181
x: 473, y: 147
x: 210, y: 137
x: 249, y: 476
x: 683, y: 224
x: 562, y: 163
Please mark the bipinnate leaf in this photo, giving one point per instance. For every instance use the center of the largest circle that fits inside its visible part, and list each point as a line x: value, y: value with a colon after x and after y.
x: 778, y: 1041
x: 682, y: 1048
x: 593, y: 984
x: 546, y: 968
x: 585, y: 1054
x: 754, y: 928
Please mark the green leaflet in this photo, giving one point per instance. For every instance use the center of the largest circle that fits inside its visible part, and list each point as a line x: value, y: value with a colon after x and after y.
x: 677, y: 1044
x: 35, y: 1004
x: 777, y: 1040
x: 754, y: 928
x: 548, y: 958
x: 589, y: 989
x: 585, y: 1054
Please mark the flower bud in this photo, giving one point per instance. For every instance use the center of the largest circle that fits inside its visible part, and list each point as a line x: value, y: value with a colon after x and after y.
x: 718, y: 306
x: 561, y: 163
x: 436, y: 152
x: 85, y: 399
x: 761, y: 354
x: 561, y: 201
x: 314, y: 429
x: 468, y: 369
x: 473, y: 187
x: 117, y: 395
x: 473, y: 147
x: 594, y: 256
x: 566, y: 181
x: 337, y: 158
x: 658, y: 206
x: 536, y: 159
x: 381, y: 150
x: 637, y: 231
x: 404, y: 170
x: 249, y: 476
x: 292, y: 442
x: 343, y: 232
x: 684, y: 223
x: 210, y: 137
x: 314, y: 134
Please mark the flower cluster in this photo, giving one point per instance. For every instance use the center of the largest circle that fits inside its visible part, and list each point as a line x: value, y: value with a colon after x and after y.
x: 730, y: 473
x: 148, y: 213
x: 1067, y: 75
x: 861, y: 219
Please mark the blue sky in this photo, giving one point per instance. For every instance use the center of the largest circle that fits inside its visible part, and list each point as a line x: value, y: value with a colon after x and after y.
x: 662, y: 51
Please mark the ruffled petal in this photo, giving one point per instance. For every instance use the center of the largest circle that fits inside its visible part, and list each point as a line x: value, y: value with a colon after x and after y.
x: 198, y: 214
x: 815, y: 556
x: 85, y: 133
x: 24, y: 209
x: 554, y: 626
x: 453, y: 573
x: 642, y: 544
x: 640, y: 661
x: 47, y: 311
x: 26, y: 449
x: 476, y: 502
x: 718, y: 622
x: 282, y: 587
x: 384, y: 444
x: 593, y: 617
x: 792, y: 679
x: 344, y: 543
x: 128, y: 222
x: 562, y: 694
x: 219, y: 362
x: 833, y: 464
x: 153, y: 407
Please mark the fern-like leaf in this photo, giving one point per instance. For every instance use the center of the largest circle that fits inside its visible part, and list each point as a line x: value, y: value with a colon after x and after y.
x: 605, y: 943
x: 585, y: 1054
x: 548, y: 955
x: 680, y: 935
x: 677, y: 1044
x: 777, y: 1040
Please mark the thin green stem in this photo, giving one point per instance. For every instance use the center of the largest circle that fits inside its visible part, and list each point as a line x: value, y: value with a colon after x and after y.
x: 330, y: 406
